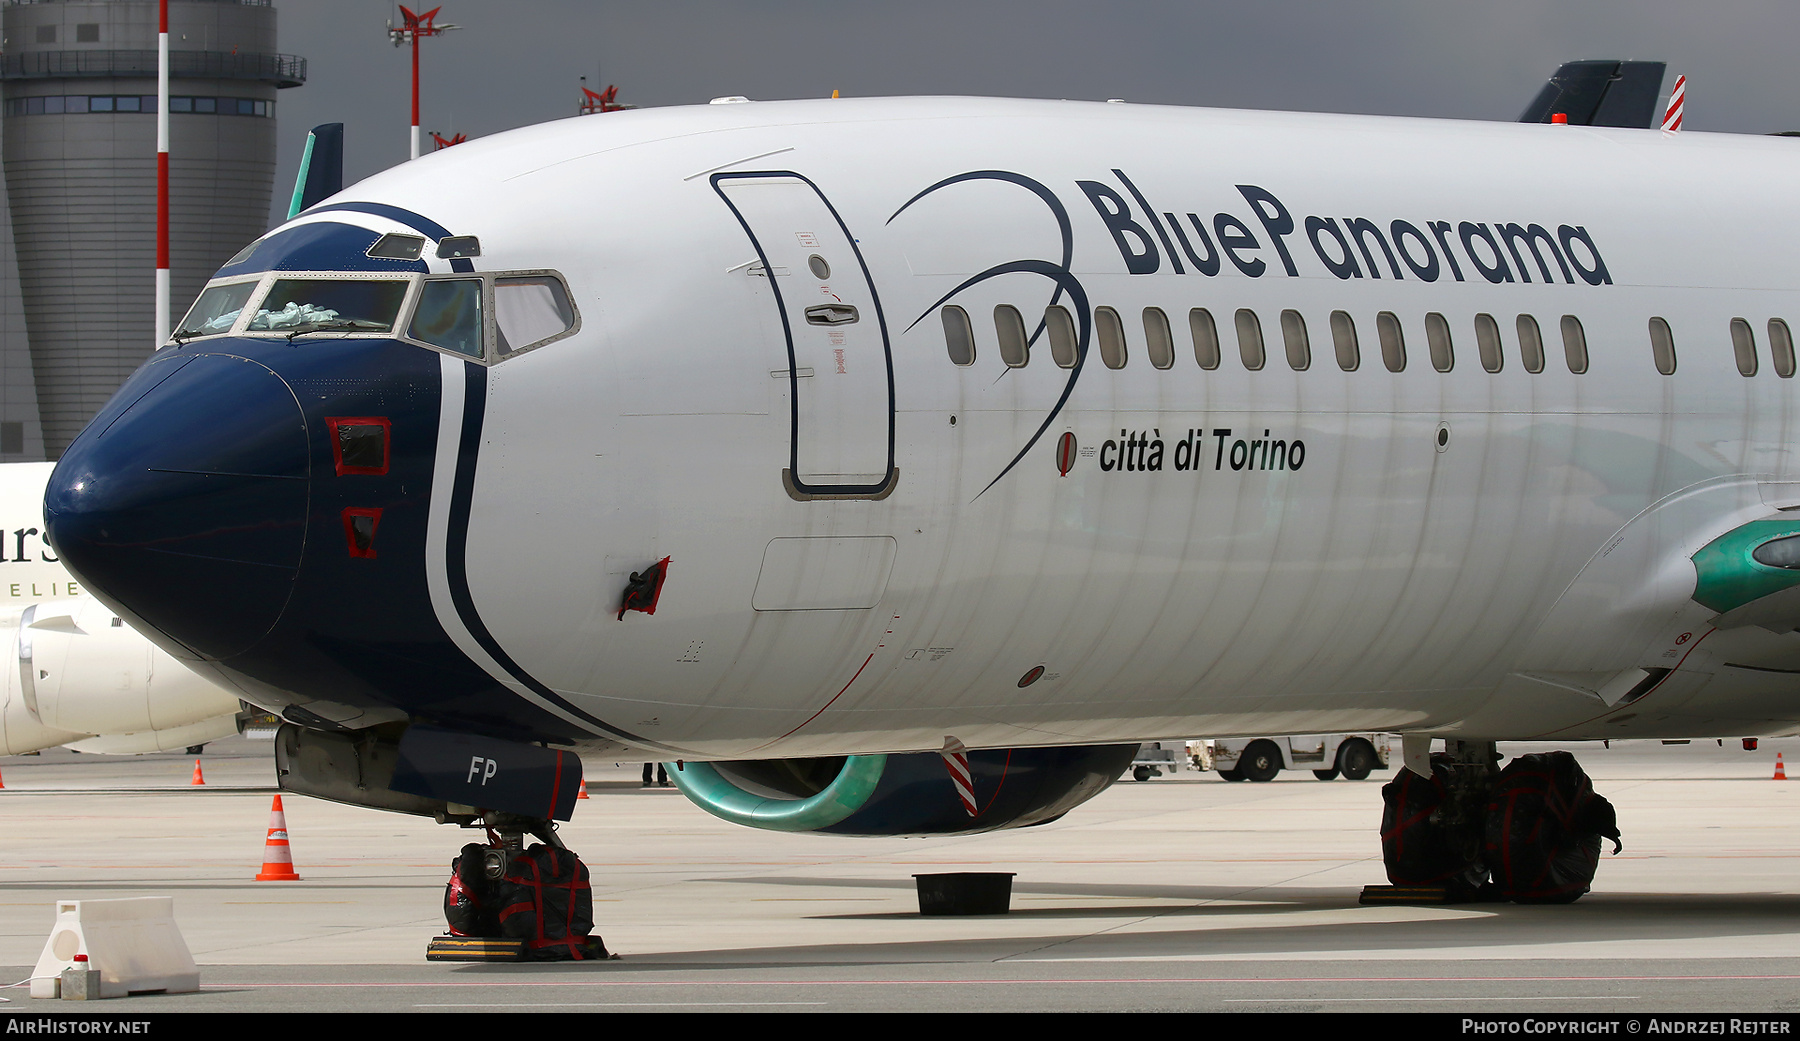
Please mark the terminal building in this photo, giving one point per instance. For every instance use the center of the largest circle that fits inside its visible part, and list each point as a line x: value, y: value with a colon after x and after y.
x: 78, y: 253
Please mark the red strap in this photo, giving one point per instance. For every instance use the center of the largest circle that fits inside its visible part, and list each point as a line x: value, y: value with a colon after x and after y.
x: 569, y: 915
x: 537, y: 899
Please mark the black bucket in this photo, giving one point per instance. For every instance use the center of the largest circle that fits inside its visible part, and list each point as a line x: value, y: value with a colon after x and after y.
x: 965, y: 892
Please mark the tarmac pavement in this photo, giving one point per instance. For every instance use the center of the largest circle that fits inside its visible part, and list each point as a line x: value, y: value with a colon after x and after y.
x: 1183, y: 892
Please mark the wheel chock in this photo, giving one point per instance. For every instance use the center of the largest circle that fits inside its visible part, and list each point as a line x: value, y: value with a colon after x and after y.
x: 494, y: 948
x: 1410, y: 895
x: 474, y: 948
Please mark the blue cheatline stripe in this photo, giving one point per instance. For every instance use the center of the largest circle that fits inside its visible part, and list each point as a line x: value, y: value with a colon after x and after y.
x: 432, y: 229
x: 456, y: 566
x: 417, y: 222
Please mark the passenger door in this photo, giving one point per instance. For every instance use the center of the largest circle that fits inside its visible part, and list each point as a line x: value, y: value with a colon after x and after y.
x: 839, y: 369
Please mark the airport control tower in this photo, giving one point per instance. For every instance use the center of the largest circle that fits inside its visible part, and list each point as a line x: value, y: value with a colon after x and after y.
x: 79, y: 82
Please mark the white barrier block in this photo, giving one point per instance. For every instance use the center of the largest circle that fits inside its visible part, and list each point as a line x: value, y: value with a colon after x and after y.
x: 134, y: 943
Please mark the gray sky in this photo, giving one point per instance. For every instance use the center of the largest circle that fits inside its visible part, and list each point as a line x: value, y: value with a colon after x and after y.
x: 518, y: 62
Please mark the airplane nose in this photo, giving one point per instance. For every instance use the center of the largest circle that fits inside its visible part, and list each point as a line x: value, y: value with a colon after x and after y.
x: 184, y: 501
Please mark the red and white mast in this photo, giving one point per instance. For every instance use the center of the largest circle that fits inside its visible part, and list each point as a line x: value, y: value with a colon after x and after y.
x: 413, y: 26
x: 1677, y: 100
x: 162, y: 173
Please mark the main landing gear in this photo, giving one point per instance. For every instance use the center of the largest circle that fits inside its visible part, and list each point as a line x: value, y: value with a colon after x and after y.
x: 1529, y: 833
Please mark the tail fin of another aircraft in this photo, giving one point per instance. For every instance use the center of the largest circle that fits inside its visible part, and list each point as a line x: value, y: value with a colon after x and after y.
x: 322, y: 167
x: 1600, y: 94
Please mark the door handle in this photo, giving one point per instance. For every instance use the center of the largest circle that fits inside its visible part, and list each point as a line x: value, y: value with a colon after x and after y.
x: 831, y: 314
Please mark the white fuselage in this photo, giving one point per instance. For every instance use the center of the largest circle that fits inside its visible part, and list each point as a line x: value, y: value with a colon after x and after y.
x: 1455, y: 552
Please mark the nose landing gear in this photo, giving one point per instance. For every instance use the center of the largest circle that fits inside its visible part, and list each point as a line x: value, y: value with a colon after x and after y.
x: 507, y: 902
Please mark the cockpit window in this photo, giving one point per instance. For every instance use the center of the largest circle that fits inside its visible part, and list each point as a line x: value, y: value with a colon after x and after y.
x: 530, y: 310
x: 216, y: 311
x: 483, y: 317
x: 394, y: 246
x: 330, y: 304
x: 243, y: 254
x: 448, y: 316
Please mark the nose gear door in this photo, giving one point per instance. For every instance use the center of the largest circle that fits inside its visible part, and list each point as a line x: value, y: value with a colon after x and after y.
x: 840, y: 371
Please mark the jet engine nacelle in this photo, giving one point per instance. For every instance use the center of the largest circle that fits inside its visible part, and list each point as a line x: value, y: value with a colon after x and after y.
x: 78, y: 671
x: 903, y: 794
x: 20, y: 729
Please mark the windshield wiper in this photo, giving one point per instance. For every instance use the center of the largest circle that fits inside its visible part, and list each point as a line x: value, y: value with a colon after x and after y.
x: 347, y: 325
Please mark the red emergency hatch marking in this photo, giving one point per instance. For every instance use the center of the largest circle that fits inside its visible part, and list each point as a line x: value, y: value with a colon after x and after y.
x: 360, y: 523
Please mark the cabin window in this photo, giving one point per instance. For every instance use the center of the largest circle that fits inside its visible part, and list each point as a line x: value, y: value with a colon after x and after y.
x: 1437, y: 340
x: 1743, y: 344
x: 1662, y: 346
x: 1781, y: 348
x: 342, y: 305
x: 1574, y: 344
x: 531, y: 310
x: 1487, y: 342
x: 1159, y: 342
x: 1206, y: 338
x: 1393, y: 341
x: 1531, y: 344
x: 959, y: 335
x: 1112, y: 337
x: 1009, y: 326
x: 1059, y: 325
x: 216, y: 311
x: 1293, y: 337
x: 1343, y: 341
x: 1250, y: 339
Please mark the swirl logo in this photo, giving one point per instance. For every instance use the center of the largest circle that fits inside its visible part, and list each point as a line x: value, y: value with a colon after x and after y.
x: 1057, y: 271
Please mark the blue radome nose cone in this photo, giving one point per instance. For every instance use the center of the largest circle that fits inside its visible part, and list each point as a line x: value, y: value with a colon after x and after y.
x: 184, y: 501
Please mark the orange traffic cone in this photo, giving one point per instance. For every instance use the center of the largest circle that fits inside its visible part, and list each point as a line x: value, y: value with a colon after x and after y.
x: 199, y: 778
x: 278, y: 860
x: 1780, y: 771
x: 581, y: 794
